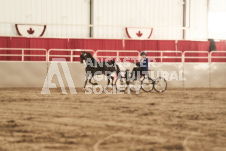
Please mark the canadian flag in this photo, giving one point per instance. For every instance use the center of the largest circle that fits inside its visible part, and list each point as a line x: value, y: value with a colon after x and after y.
x: 139, y: 33
x: 29, y: 30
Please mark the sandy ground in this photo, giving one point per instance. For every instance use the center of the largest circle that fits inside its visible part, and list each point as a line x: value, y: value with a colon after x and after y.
x: 187, y: 119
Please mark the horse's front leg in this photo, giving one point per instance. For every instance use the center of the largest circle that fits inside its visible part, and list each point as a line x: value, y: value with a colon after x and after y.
x: 90, y: 80
x: 87, y: 76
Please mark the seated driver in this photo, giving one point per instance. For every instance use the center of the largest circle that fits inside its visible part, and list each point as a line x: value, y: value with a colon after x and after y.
x: 143, y: 62
x: 142, y: 65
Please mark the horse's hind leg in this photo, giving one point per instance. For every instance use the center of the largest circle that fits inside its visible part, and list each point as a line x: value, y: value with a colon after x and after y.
x: 108, y: 77
x: 112, y: 79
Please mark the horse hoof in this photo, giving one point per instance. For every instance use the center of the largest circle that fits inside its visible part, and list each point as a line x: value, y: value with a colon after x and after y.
x: 83, y: 89
x: 95, y: 84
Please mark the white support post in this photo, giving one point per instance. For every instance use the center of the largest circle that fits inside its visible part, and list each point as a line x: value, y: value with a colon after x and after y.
x: 183, y: 57
x: 47, y: 56
x: 71, y: 59
x: 117, y: 56
x: 22, y: 55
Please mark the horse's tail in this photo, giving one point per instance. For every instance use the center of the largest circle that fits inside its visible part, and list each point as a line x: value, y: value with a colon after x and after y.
x: 113, y: 61
x: 127, y: 75
x: 117, y: 70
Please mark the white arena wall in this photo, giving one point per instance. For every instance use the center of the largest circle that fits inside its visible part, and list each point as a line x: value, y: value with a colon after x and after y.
x: 171, y: 19
x: 33, y: 74
x: 72, y: 18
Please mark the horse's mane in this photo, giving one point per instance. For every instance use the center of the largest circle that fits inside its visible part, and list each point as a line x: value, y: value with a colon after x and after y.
x: 90, y: 56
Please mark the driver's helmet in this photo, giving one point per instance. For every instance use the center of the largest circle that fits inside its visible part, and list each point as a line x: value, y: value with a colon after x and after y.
x: 143, y: 53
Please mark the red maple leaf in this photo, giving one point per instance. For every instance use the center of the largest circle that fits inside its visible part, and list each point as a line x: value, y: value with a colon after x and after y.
x: 139, y: 34
x: 30, y: 31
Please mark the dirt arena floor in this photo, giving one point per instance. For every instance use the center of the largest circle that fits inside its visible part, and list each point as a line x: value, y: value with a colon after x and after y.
x: 187, y: 119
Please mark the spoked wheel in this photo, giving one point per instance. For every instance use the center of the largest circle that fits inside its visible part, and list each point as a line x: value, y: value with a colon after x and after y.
x: 135, y: 85
x: 121, y: 84
x: 160, y: 84
x: 147, y: 84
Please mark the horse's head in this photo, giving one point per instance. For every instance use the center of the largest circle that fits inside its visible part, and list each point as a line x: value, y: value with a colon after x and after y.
x: 84, y: 55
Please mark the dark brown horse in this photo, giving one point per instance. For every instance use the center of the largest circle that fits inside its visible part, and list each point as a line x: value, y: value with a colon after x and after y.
x: 97, y: 68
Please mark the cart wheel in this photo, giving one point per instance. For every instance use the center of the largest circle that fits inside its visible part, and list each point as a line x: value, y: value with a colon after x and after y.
x: 160, y: 84
x: 147, y: 84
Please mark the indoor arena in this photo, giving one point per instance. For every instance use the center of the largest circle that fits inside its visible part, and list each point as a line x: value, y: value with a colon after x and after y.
x: 112, y: 75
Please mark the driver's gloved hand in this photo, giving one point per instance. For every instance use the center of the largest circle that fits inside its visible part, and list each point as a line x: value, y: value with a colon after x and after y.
x: 138, y: 64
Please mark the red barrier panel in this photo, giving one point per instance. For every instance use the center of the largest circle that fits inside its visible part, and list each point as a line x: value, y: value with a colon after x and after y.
x: 104, y: 44
x: 150, y: 45
x: 166, y: 45
x: 96, y: 44
x: 184, y: 45
x: 133, y: 45
x: 221, y: 45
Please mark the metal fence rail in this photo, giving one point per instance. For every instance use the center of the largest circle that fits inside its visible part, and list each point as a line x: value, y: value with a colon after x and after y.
x: 132, y: 54
x: 215, y: 55
x: 196, y: 56
x: 165, y: 55
x: 73, y: 55
x: 22, y: 52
